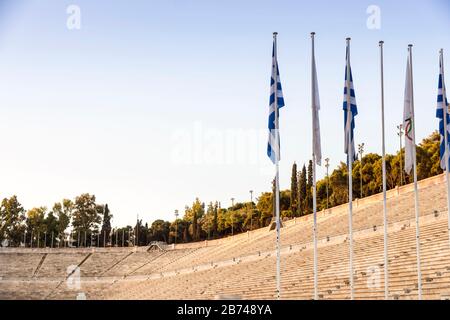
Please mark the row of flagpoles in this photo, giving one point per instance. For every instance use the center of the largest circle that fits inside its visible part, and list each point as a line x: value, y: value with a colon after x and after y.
x: 350, y: 111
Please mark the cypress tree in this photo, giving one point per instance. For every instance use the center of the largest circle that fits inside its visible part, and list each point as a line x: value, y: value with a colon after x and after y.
x: 302, y: 191
x: 294, y: 190
x: 106, y: 225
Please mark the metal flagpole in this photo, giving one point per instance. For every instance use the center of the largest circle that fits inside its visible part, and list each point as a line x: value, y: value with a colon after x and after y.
x: 277, y: 185
x: 251, y: 210
x: 416, y: 198
x: 316, y: 283
x: 350, y: 182
x: 445, y: 112
x: 400, y: 133
x: 327, y: 165
x: 316, y: 291
x: 386, y: 261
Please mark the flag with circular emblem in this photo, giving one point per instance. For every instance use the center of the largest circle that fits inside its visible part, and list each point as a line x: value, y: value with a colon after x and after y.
x: 408, y: 120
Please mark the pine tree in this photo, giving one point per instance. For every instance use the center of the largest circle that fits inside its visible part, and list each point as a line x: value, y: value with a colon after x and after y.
x: 294, y: 190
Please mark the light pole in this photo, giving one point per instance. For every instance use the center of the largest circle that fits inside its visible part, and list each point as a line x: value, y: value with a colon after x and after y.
x: 361, y: 151
x: 327, y: 165
x: 232, y: 220
x: 251, y: 210
x: 400, y: 134
x: 176, y: 226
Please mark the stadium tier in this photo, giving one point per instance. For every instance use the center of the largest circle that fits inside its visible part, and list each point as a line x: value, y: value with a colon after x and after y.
x: 243, y: 266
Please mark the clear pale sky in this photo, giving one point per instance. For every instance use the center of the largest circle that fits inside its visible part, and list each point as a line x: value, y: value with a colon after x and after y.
x: 153, y: 103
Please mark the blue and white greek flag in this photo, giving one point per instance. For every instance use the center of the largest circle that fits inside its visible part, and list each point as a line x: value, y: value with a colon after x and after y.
x: 441, y: 106
x: 273, y: 146
x: 349, y: 124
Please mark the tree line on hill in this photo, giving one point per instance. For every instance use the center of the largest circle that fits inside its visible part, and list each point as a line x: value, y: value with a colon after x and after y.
x: 90, y: 222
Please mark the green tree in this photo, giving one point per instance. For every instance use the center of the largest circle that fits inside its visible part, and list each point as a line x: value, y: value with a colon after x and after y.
x: 302, y: 187
x: 265, y: 208
x: 194, y: 225
x: 215, y: 221
x: 51, y: 226
x: 106, y: 226
x: 86, y: 216
x: 183, y: 227
x: 12, y: 217
x: 63, y: 211
x: 221, y: 221
x: 371, y: 175
x: 176, y: 230
x: 321, y: 186
x: 294, y: 190
x: 36, y: 224
x: 339, y: 185
x: 285, y: 203
x: 159, y: 230
x: 207, y: 221
x: 193, y: 214
x: 143, y: 234
x: 428, y: 158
